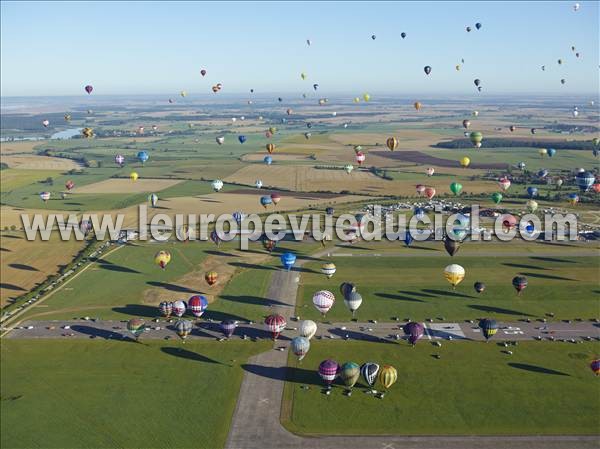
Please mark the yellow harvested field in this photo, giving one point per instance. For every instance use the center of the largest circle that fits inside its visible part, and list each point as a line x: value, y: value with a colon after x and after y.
x: 126, y: 185
x: 22, y: 146
x: 24, y: 264
x: 40, y: 163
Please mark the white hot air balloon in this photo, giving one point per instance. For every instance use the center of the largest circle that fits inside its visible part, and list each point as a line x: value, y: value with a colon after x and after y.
x: 353, y: 301
x: 258, y: 183
x: 308, y: 328
x: 217, y: 185
x: 323, y: 301
x: 220, y: 140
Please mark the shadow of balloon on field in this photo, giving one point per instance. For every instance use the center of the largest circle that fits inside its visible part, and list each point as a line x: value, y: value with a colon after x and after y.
x: 97, y: 332
x: 492, y: 309
x: 170, y: 287
x: 21, y: 266
x: 218, y: 316
x: 398, y: 297
x: 355, y: 335
x: 423, y: 295
x: 527, y: 267
x: 552, y: 259
x: 188, y: 355
x: 284, y: 373
x: 446, y: 293
x: 112, y: 267
x: 252, y: 266
x: 537, y: 369
x: 213, y: 252
x: 11, y: 287
x: 139, y: 310
x: 423, y: 248
x: 254, y: 300
x: 547, y: 276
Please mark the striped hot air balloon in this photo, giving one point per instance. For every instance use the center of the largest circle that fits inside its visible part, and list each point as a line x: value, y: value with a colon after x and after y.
x: 120, y: 160
x: 228, y: 327
x: 136, y: 326
x: 183, y: 328
x: 69, y: 185
x: 369, y: 372
x: 595, y: 367
x: 166, y: 308
x: 387, y: 376
x: 323, y: 300
x: 328, y: 269
x: 392, y: 143
x: 585, y: 180
x: 45, y: 196
x: 288, y: 260
x: 211, y: 278
x: 269, y: 244
x: 162, y: 259
x: 275, y: 324
x: 353, y: 301
x: 349, y: 374
x: 329, y: 370
x: 414, y: 331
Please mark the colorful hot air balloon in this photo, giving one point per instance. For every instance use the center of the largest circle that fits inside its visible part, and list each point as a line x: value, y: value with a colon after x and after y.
x: 454, y: 274
x: 479, y: 287
x: 519, y: 283
x: 488, y: 328
x: 392, y: 143
x: 387, y: 376
x: 275, y: 324
x: 521, y: 166
x: 414, y: 331
x: 89, y: 89
x: 88, y: 133
x: 353, y: 301
x: 142, y: 156
x: 275, y: 198
x: 162, y: 259
x: 69, y: 185
x: 323, y: 300
x: 465, y: 162
x: 153, y: 199
x: 217, y: 185
x: 573, y: 198
x: 369, y: 371
x: 211, y: 278
x: 430, y: 171
x: 288, y: 260
x: 328, y: 269
x: 349, y: 374
x: 300, y: 346
x: 504, y: 183
x: 265, y: 201
x: 360, y: 157
x: 307, y: 329
x: 328, y: 370
x: 136, y: 326
x: 258, y: 183
x: 166, y: 308
x: 220, y: 140
x: 417, y: 105
x: 228, y: 327
x: 456, y: 188
x: 183, y: 328
x: 585, y: 180
x: 270, y: 148
x: 595, y: 367
x: 269, y: 244
x: 476, y: 137
x: 429, y: 192
x: 197, y: 305
x: 496, y: 197
x: 532, y: 191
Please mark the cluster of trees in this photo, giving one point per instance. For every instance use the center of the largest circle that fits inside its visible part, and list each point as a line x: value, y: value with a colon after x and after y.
x: 502, y: 142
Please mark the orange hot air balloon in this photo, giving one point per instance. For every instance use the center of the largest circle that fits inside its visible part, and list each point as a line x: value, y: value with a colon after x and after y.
x: 596, y: 188
x: 270, y: 148
x: 417, y: 105
x: 211, y: 278
x: 429, y: 192
x: 392, y: 143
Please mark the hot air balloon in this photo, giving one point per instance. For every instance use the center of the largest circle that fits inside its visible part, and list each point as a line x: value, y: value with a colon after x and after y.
x: 521, y: 166
x: 269, y: 244
x: 215, y: 238
x: 162, y: 259
x: 45, y: 196
x: 573, y: 198
x: 89, y: 89
x: 551, y: 152
x: 452, y: 246
x: 275, y: 198
x: 512, y: 128
x: 496, y: 197
x: 153, y: 199
x: 465, y: 162
x: 479, y: 287
x: 275, y: 324
x: 419, y: 213
x: 197, y: 305
x: 392, y: 143
x: 348, y: 168
x: 417, y: 105
x: 328, y: 269
x: 369, y: 372
x: 323, y: 300
x: 531, y: 206
x: 258, y: 183
x: 270, y: 148
x: 211, y: 278
x: 488, y: 328
x: 519, y: 283
x: 414, y: 331
x: 476, y: 137
x: 183, y: 93
x: 220, y: 140
x: 136, y: 326
x: 217, y: 185
x: 307, y: 329
x: 265, y: 201
x: 585, y: 180
x: 373, y: 37
x: 563, y: 81
x: 238, y: 217
x: 475, y: 113
x: 575, y: 113
x: 429, y: 192
x: 346, y: 288
x: 366, y: 97
x: 596, y: 188
x: 329, y: 210
x: 403, y: 35
x: 504, y: 183
x: 457, y: 67
x: 595, y: 367
x: 532, y: 191
x: 45, y: 123
x: 466, y: 124
x: 179, y: 308
x: 228, y: 327
x: 328, y: 370
x: 242, y: 139
x: 477, y: 82
x: 456, y: 188
x: 478, y: 25
x: 268, y: 160
x: 133, y: 176
x: 349, y: 374
x: 88, y: 133
x: 300, y: 346
x: 427, y: 70
x: 353, y: 301
x: 288, y: 260
x: 559, y: 182
x: 69, y: 185
x: 468, y: 29
x: 387, y: 376
x: 408, y: 238
x: 166, y: 308
x: 454, y: 274
x: 183, y: 328
x: 142, y: 156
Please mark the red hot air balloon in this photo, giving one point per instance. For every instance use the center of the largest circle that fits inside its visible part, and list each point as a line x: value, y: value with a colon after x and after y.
x: 275, y: 197
x: 420, y: 189
x: 89, y: 89
x: 275, y: 324
x: 69, y: 185
x: 360, y: 157
x: 429, y: 192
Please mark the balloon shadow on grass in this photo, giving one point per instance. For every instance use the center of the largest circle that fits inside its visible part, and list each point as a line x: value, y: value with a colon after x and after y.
x: 188, y: 355
x: 537, y: 369
x: 398, y: 297
x: 138, y: 310
x: 547, y: 276
x: 254, y: 300
x: 170, y: 287
x: 354, y: 335
x: 552, y: 259
x: 446, y: 293
x: 491, y: 309
x: 527, y: 267
x: 284, y: 373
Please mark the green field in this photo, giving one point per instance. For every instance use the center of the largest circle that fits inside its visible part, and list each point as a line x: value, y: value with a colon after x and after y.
x: 474, y: 388
x: 91, y: 394
x: 415, y: 287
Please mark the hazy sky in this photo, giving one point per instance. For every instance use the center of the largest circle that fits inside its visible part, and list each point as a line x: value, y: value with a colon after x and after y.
x: 55, y: 48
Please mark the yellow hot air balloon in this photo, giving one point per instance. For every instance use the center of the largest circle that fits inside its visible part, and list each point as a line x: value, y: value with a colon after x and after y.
x: 417, y: 105
x: 183, y: 93
x: 543, y: 152
x: 465, y: 162
x: 387, y: 376
x: 133, y: 176
x: 303, y: 75
x: 162, y: 258
x: 454, y: 274
x: 356, y: 99
x: 87, y: 132
x: 328, y: 269
x: 457, y: 67
x: 366, y: 97
x: 392, y: 143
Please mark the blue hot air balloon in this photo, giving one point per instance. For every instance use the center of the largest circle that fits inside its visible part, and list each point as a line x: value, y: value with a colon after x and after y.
x: 551, y: 152
x: 585, y: 180
x: 288, y: 260
x: 268, y: 160
x: 542, y: 173
x: 532, y: 191
x: 143, y: 156
x: 242, y: 139
x: 419, y: 213
x: 408, y: 238
x: 265, y: 201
